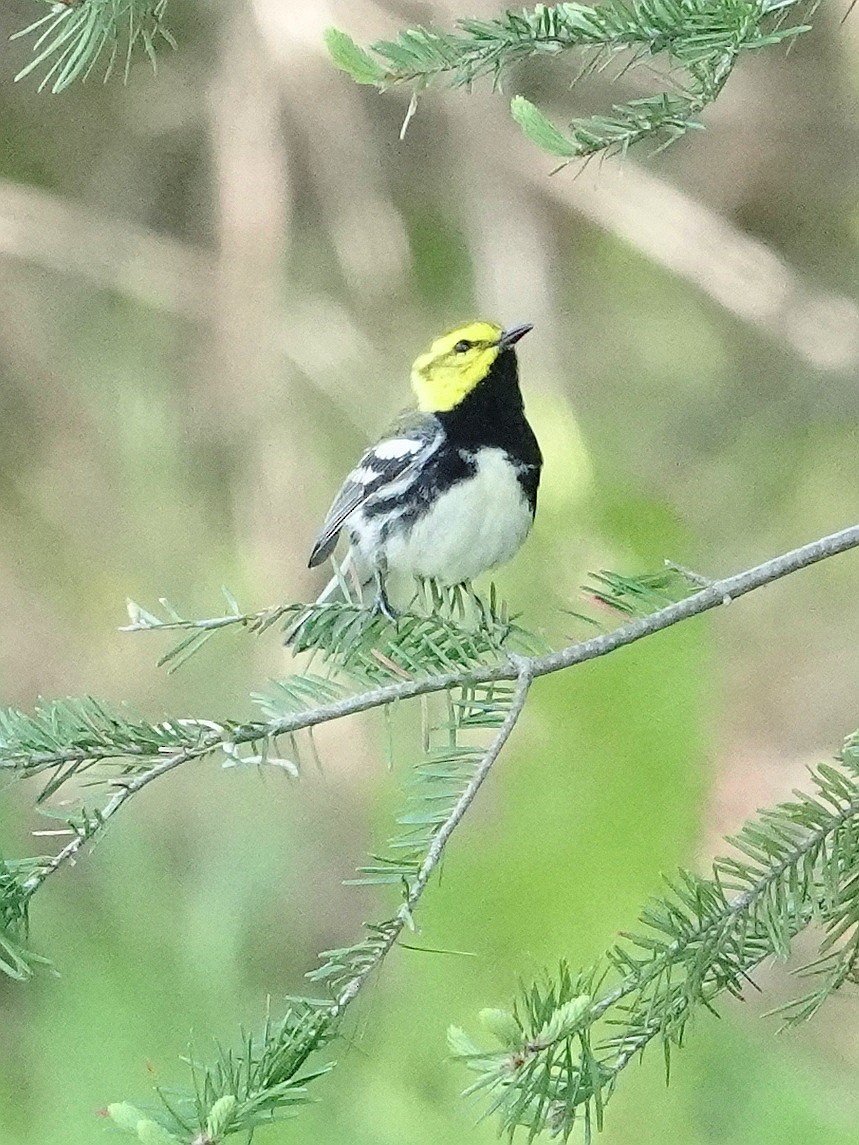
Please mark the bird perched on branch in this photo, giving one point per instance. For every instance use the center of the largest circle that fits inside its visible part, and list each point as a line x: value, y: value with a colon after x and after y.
x: 451, y: 490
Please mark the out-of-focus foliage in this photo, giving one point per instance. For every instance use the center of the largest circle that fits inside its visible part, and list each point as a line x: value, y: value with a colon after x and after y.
x: 212, y: 284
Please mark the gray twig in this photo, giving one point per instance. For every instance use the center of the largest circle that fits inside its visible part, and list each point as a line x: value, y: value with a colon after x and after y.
x: 441, y: 838
x: 718, y: 593
x: 125, y: 789
x: 710, y: 597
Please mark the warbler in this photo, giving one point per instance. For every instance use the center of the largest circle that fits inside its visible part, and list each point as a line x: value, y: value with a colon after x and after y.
x: 451, y: 491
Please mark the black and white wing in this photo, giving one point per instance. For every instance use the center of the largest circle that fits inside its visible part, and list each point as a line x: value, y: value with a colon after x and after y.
x: 391, y: 460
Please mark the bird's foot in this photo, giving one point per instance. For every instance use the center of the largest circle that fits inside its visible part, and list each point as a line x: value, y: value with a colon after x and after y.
x: 383, y: 607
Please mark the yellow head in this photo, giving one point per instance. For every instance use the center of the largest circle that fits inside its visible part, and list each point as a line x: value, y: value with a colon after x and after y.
x: 458, y: 361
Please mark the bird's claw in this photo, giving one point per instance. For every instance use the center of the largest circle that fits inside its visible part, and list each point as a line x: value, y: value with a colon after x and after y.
x: 383, y: 607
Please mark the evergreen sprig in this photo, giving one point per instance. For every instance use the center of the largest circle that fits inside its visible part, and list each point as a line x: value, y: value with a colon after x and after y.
x: 196, y: 632
x: 566, y: 1042
x: 444, y: 629
x: 699, y: 40
x: 706, y: 933
x: 455, y: 630
x: 637, y: 595
x: 16, y: 960
x: 439, y: 779
x: 74, y: 35
x: 266, y: 1078
x: 260, y: 1083
x: 67, y: 737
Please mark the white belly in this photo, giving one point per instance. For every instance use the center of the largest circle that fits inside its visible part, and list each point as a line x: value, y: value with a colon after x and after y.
x: 476, y: 525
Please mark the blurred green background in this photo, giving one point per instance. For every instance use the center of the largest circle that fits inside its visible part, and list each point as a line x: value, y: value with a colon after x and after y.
x: 212, y: 283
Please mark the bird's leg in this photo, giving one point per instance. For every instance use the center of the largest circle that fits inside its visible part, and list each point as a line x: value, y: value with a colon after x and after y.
x: 420, y: 594
x: 477, y: 601
x: 381, y: 604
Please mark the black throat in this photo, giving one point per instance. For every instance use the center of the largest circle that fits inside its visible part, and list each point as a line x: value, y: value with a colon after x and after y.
x: 493, y: 415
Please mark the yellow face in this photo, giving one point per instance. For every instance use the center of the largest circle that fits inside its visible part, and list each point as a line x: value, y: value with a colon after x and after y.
x: 454, y: 364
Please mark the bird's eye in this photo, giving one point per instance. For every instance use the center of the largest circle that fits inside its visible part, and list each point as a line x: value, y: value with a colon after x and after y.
x: 462, y: 346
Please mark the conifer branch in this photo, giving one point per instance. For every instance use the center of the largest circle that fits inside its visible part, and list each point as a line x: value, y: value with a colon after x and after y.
x: 268, y: 1076
x: 716, y: 594
x: 74, y: 35
x: 442, y: 836
x: 16, y: 960
x: 68, y: 737
x: 568, y: 1040
x: 87, y: 825
x: 700, y: 41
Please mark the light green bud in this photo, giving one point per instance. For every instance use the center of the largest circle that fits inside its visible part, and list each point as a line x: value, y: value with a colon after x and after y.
x: 565, y: 1021
x: 220, y: 1115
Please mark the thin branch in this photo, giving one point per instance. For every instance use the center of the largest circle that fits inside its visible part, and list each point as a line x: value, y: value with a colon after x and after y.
x: 720, y: 592
x: 524, y: 678
x: 266, y: 1076
x: 734, y: 909
x: 796, y: 864
x: 318, y: 1020
x: 289, y: 1048
x: 229, y: 736
x: 703, y: 41
x: 126, y: 788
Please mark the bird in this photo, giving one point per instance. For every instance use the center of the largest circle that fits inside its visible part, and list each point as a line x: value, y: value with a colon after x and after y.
x: 450, y: 491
